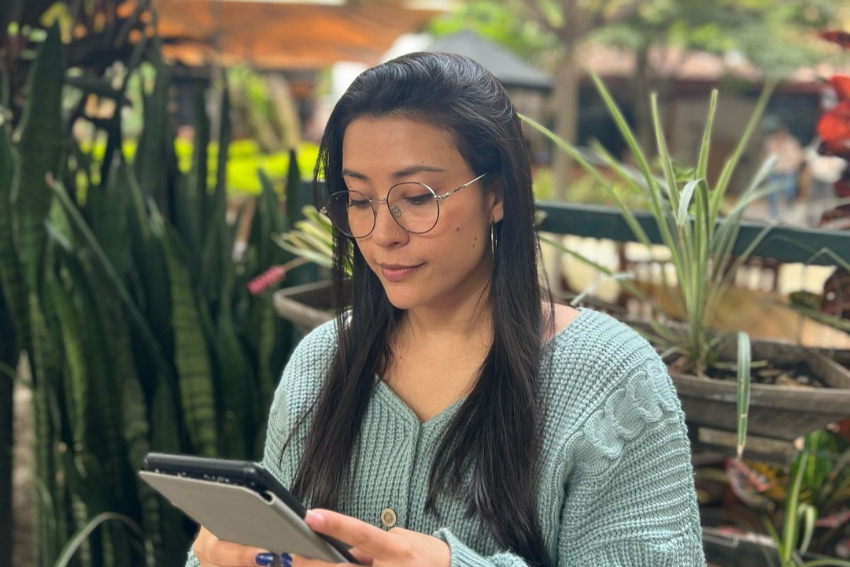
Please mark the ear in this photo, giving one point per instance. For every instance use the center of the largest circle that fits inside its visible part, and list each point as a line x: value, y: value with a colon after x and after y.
x: 496, y: 201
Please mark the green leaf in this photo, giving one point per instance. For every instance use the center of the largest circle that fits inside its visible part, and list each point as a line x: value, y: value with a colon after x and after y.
x: 809, y: 515
x: 790, y: 528
x: 39, y: 153
x: 83, y: 534
x: 154, y: 154
x: 11, y: 282
x: 191, y: 194
x: 191, y: 354
x: 744, y: 359
x: 705, y: 145
x: 685, y: 202
x: 140, y: 324
x: 293, y: 182
x: 108, y: 206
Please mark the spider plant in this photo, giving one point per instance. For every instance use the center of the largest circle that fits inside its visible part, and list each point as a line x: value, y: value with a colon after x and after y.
x: 311, y: 239
x: 799, y: 522
x: 686, y: 209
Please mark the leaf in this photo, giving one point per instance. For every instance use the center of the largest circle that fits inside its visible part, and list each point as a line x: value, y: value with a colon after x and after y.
x: 790, y: 528
x: 83, y: 534
x: 809, y: 516
x: 685, y: 202
x: 191, y: 355
x: 293, y: 183
x: 270, y: 220
x: 140, y: 324
x: 108, y: 206
x: 744, y: 359
x: 39, y: 152
x: 154, y: 154
x: 11, y: 282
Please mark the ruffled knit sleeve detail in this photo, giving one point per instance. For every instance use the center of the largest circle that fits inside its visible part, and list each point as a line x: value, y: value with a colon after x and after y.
x: 646, y: 397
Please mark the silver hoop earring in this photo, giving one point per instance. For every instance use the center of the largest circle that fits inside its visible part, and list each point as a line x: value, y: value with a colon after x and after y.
x: 493, y: 240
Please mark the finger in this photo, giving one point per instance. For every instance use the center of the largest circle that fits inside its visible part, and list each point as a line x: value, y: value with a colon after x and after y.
x: 212, y: 551
x: 361, y: 556
x: 356, y: 533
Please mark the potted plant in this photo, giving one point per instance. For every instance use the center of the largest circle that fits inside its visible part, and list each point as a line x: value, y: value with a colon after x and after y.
x: 711, y: 373
x: 307, y: 305
x: 790, y: 515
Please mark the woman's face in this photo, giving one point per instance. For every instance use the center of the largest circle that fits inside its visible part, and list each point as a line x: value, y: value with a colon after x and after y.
x: 451, y: 263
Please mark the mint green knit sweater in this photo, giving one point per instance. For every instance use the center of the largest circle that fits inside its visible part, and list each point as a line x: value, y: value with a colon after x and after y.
x: 616, y: 482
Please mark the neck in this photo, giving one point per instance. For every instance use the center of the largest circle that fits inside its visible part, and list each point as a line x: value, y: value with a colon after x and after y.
x: 469, y: 319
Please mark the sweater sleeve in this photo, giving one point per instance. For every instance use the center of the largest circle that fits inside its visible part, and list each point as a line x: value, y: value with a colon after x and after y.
x: 630, y: 492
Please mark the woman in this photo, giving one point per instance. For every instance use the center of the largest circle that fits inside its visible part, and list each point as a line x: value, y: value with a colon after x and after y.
x: 455, y: 415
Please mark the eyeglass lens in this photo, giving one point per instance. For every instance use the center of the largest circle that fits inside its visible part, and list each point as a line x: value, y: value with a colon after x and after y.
x: 413, y: 206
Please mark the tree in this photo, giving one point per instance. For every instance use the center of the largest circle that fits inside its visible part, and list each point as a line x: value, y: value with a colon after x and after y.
x: 771, y: 34
x: 777, y: 37
x: 570, y: 23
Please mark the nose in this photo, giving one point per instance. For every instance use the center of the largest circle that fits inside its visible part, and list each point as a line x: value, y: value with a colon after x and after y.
x: 387, y: 231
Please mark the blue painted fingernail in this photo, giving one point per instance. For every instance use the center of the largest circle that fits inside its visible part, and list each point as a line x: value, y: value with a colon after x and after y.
x: 264, y: 559
x: 285, y: 560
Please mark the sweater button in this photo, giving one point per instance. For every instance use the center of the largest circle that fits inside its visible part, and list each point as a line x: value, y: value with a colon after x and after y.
x: 388, y: 517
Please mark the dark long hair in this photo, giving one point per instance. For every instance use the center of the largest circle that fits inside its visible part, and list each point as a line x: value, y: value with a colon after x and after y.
x: 495, y: 433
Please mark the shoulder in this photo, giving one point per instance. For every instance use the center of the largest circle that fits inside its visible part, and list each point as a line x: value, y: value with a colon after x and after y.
x: 321, y: 341
x: 597, y: 361
x: 598, y: 340
x: 307, y: 367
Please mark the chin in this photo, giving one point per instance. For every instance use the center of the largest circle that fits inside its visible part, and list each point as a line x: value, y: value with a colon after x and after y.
x: 402, y: 301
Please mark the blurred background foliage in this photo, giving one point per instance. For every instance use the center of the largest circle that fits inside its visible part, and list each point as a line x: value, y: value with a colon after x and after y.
x: 123, y: 303
x: 775, y: 37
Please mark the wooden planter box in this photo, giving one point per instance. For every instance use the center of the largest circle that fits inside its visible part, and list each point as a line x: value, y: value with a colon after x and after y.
x: 306, y: 306
x: 727, y: 548
x: 776, y: 412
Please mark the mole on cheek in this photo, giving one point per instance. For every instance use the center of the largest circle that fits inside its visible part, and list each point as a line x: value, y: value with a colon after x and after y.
x: 457, y: 229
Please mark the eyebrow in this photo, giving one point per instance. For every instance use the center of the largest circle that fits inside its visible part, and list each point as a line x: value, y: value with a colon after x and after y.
x: 400, y: 174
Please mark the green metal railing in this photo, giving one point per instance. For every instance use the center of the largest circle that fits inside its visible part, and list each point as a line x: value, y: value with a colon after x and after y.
x: 784, y: 243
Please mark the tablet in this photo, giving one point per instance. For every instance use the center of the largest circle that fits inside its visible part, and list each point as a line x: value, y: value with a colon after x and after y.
x: 241, y: 502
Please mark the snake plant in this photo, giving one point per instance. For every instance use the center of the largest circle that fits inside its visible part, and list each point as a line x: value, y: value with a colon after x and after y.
x: 132, y: 314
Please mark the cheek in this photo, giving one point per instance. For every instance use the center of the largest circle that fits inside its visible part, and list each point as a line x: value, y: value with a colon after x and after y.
x: 467, y: 237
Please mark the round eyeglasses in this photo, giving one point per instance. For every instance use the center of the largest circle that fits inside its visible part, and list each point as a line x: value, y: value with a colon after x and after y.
x: 414, y: 206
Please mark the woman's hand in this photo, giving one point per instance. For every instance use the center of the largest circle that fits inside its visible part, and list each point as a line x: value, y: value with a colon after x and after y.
x: 212, y: 552
x: 373, y: 546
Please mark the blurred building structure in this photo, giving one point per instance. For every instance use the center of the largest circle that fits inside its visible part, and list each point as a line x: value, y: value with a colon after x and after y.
x: 275, y: 34
x: 300, y: 41
x: 688, y: 79
x: 528, y: 86
x: 293, y: 40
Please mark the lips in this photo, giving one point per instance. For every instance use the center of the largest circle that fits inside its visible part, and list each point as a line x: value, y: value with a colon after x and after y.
x: 397, y: 272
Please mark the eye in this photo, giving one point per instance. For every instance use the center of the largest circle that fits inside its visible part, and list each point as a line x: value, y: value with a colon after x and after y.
x: 421, y: 199
x: 358, y: 203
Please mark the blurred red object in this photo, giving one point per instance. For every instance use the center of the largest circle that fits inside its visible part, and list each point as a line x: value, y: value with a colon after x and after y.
x: 834, y: 125
x: 841, y: 84
x: 842, y: 38
x: 834, y: 130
